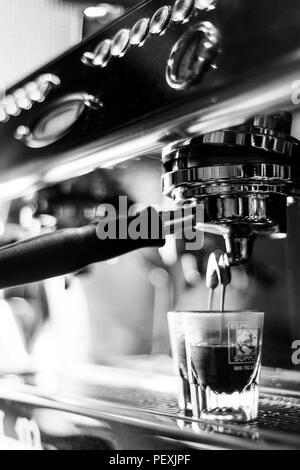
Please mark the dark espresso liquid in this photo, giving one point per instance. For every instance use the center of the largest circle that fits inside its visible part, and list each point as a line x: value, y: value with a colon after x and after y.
x: 211, y: 368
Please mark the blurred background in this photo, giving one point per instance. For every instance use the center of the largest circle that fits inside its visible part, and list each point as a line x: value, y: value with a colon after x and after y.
x: 33, y: 32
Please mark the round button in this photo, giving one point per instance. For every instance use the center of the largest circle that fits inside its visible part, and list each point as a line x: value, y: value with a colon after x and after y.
x: 21, y: 98
x: 181, y: 10
x: 139, y: 32
x: 205, y: 4
x: 160, y: 20
x: 102, y: 53
x: 59, y: 120
x: 87, y: 58
x: 33, y: 92
x: 22, y: 132
x: 46, y: 82
x: 11, y: 106
x: 3, y: 114
x: 120, y: 43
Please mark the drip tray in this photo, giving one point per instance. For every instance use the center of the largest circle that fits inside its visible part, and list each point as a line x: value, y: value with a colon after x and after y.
x: 275, y: 412
x: 278, y: 423
x: 143, y: 405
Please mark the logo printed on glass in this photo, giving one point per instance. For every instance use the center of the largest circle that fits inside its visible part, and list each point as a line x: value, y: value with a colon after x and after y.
x: 243, y: 342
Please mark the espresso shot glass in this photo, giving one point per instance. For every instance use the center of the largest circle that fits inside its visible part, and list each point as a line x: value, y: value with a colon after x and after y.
x: 224, y: 362
x: 177, y: 339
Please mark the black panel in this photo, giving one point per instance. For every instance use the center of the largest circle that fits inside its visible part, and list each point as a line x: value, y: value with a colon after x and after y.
x: 253, y: 34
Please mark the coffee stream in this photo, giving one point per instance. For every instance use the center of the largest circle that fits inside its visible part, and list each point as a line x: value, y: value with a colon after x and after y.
x: 210, y: 362
x: 218, y: 272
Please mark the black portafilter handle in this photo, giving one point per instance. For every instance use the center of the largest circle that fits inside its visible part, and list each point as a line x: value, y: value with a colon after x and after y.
x: 70, y: 250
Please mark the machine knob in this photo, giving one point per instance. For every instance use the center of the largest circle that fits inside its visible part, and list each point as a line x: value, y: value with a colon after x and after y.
x: 192, y: 55
x: 61, y: 117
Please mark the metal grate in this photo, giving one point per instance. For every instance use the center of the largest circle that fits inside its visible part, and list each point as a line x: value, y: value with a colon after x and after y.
x: 279, y: 414
x: 276, y: 413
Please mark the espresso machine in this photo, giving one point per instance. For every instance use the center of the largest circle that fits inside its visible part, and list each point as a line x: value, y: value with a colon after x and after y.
x: 204, y: 96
